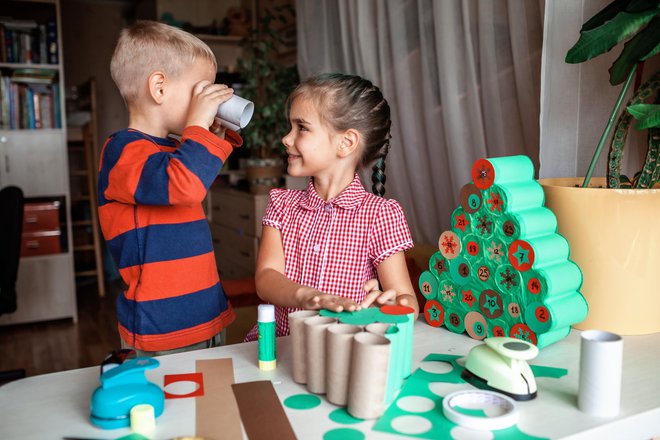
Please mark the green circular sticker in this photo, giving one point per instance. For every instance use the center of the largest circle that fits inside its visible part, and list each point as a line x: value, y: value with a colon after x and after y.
x: 343, y: 434
x: 302, y: 401
x: 342, y: 416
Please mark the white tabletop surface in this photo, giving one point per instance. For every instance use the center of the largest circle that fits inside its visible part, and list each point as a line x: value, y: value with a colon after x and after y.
x: 56, y: 405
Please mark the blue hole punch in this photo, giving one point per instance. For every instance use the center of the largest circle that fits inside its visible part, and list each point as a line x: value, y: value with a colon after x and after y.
x: 122, y: 388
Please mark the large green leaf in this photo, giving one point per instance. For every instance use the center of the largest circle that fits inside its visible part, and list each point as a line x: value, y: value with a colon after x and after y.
x: 642, y: 46
x: 603, y: 38
x: 647, y: 115
x: 606, y: 14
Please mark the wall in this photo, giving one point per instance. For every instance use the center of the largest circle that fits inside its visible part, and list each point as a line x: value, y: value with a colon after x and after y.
x: 88, y: 44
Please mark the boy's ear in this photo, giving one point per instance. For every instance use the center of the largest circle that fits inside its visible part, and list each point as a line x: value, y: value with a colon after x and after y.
x: 349, y: 142
x: 157, y: 86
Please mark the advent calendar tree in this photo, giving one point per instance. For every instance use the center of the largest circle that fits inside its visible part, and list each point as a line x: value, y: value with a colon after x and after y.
x: 502, y: 269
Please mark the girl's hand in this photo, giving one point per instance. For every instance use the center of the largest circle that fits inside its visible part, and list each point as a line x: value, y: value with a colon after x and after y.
x: 206, y: 98
x: 316, y: 300
x: 375, y: 295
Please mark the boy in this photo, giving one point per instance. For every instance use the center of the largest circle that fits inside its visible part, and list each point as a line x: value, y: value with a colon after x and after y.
x: 151, y: 188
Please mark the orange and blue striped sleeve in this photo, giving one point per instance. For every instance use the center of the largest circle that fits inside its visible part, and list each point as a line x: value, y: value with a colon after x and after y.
x: 136, y: 169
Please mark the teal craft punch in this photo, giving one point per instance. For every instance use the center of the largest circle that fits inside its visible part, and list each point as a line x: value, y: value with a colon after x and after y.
x: 123, y: 387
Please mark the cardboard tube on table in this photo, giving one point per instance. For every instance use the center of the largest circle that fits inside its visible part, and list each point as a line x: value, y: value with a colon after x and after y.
x: 298, y: 342
x: 601, y: 359
x: 394, y: 375
x: 315, y: 330
x: 369, y: 370
x: 339, y: 342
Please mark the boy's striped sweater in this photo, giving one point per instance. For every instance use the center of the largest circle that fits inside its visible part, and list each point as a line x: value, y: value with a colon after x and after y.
x: 151, y: 215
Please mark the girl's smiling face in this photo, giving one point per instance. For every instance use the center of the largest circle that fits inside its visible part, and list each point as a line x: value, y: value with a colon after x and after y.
x: 311, y: 145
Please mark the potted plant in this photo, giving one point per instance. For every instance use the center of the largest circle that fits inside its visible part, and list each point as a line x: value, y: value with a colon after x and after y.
x: 268, y: 81
x: 611, y: 223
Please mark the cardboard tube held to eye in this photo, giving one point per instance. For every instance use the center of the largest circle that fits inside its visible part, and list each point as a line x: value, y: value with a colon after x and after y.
x: 297, y: 331
x: 369, y: 369
x: 236, y: 111
x: 339, y: 342
x: 315, y: 329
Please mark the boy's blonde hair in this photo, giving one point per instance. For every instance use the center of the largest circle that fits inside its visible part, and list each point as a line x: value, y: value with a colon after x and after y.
x: 149, y: 46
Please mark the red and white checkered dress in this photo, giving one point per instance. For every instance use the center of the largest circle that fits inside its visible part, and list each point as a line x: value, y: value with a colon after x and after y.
x: 334, y: 246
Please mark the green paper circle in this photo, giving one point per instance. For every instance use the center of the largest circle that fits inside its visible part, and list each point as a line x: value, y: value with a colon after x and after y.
x: 302, y: 401
x: 342, y: 416
x: 344, y: 434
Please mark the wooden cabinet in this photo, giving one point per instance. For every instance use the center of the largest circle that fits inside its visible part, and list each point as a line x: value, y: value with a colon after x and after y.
x: 33, y: 153
x: 235, y: 220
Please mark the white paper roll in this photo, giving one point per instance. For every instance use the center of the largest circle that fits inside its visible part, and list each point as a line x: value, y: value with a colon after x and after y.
x: 236, y: 111
x: 601, y: 358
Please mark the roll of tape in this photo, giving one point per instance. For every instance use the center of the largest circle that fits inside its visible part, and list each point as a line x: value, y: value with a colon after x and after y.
x: 499, y: 411
x: 449, y: 245
x: 428, y: 285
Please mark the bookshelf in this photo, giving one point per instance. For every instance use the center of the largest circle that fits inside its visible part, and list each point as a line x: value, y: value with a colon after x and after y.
x: 33, y: 156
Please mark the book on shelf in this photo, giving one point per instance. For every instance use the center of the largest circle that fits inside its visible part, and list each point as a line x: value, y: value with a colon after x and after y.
x: 29, y: 102
x: 29, y: 42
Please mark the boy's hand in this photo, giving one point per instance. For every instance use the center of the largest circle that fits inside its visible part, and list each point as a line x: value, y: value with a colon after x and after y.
x: 206, y: 98
x: 218, y: 129
x: 315, y: 300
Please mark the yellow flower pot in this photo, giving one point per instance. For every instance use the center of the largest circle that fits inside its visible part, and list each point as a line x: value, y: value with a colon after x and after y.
x: 614, y: 237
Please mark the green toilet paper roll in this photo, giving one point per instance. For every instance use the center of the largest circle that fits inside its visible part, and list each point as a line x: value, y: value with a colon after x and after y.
x: 508, y: 280
x: 513, y: 197
x: 448, y: 293
x: 483, y: 274
x: 503, y: 169
x: 470, y: 198
x: 495, y: 251
x: 526, y: 224
x: 460, y: 270
x: 483, y: 224
x: 556, y: 312
x: 472, y: 247
x: 428, y: 285
x: 538, y: 252
x: 468, y: 297
x: 438, y: 265
x: 539, y: 284
x: 545, y: 339
x: 454, y: 320
x: 498, y: 328
x: 460, y: 222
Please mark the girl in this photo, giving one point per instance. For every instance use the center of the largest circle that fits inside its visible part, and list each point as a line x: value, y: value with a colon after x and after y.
x: 324, y: 247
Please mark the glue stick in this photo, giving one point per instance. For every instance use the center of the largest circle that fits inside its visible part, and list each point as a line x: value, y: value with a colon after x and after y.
x: 266, y: 327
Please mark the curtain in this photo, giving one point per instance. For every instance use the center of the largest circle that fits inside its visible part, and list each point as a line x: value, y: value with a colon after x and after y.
x: 462, y: 79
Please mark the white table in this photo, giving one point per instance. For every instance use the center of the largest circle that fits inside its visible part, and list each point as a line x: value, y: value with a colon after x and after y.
x: 56, y: 405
